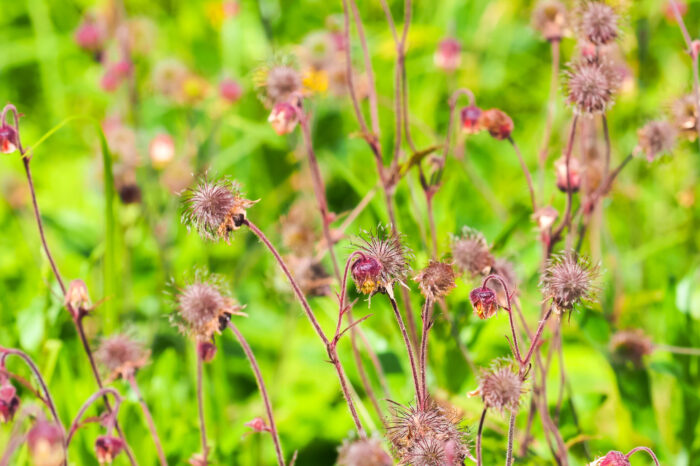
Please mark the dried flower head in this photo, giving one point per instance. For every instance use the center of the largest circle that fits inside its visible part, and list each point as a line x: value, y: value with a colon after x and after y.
x: 550, y: 18
x: 471, y: 253
x: 573, y: 181
x: 283, y: 118
x: 431, y: 433
x: 501, y: 386
x: 685, y: 116
x: 612, y: 458
x: 277, y: 82
x: 568, y: 280
x: 631, y: 345
x: 107, y: 448
x: 215, y: 208
x: 656, y: 138
x: 436, y: 280
x: 364, y: 452
x: 45, y: 442
x: 383, y: 261
x: 8, y: 139
x: 598, y: 22
x: 203, y: 309
x: 484, y: 302
x: 121, y: 356
x: 448, y: 54
x: 9, y: 401
x: 497, y: 123
x: 591, y: 86
x: 470, y: 117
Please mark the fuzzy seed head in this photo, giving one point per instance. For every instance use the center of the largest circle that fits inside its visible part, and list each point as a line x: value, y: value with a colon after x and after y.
x: 599, y: 23
x: 383, y: 261
x: 568, y: 280
x: 367, y: 452
x: 436, y: 280
x: 281, y: 83
x: 497, y: 123
x: 501, y: 387
x: 215, y: 208
x: 631, y: 345
x: 550, y: 19
x: 591, y: 86
x: 657, y: 138
x: 121, y: 355
x: 471, y: 253
x: 613, y: 458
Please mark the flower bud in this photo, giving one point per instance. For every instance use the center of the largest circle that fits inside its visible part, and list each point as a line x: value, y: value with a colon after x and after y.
x: 283, y: 118
x: 366, y: 273
x: 447, y: 56
x: 497, y: 123
x: 206, y: 350
x: 161, y: 150
x: 574, y: 178
x: 77, y: 298
x: 470, y: 119
x: 484, y: 302
x: 9, y: 402
x: 257, y: 424
x: 45, y: 442
x: 90, y: 36
x: 230, y: 90
x: 613, y: 458
x: 8, y: 139
x: 107, y: 448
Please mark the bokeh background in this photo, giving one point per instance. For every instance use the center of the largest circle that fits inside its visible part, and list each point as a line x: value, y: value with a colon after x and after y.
x: 646, y: 239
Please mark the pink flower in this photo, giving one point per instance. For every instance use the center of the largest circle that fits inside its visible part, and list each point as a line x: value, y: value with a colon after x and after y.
x: 447, y: 56
x: 8, y: 139
x: 283, y: 118
x: 258, y: 425
x: 230, y: 90
x: 161, y: 150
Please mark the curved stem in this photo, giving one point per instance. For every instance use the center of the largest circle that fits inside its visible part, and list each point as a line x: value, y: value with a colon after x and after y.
x: 644, y: 449
x: 526, y: 171
x: 409, y: 348
x: 509, y: 308
x: 569, y: 194
x: 200, y: 408
x: 263, y: 391
x: 102, y: 392
x: 479, y: 433
x: 426, y: 316
x: 678, y: 350
x: 149, y: 420
x: 511, y: 435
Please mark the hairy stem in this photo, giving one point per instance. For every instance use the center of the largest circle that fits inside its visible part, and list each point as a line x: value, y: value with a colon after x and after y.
x: 200, y: 408
x: 646, y: 450
x: 409, y: 348
x: 511, y: 435
x: 479, y: 433
x: 149, y: 419
x: 526, y: 171
x: 426, y: 317
x: 101, y: 393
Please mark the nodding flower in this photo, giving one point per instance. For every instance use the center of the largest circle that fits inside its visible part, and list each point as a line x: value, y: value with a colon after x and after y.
x: 8, y: 138
x: 45, y: 442
x: 572, y: 182
x: 90, y: 35
x: 363, y: 452
x: 383, y: 261
x: 283, y: 118
x: 77, y: 299
x: 685, y: 116
x: 568, y: 280
x: 9, y: 401
x: 230, y: 90
x: 598, y: 22
x: 470, y: 117
x: 631, y: 345
x: 497, y: 123
x: 215, y: 208
x: 550, y: 18
x: 484, y: 302
x: 107, y: 448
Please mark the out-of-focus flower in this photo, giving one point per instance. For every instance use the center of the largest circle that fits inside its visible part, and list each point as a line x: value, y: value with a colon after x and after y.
x: 484, y: 302
x: 169, y: 77
x: 550, y: 18
x: 312, y: 277
x: 121, y: 140
x: 545, y: 217
x: 141, y: 34
x: 315, y: 80
x: 363, y: 452
x: 78, y: 298
x: 573, y: 181
x: 9, y: 401
x: 8, y: 139
x: 107, y: 448
x: 612, y: 458
x: 177, y: 176
x: 194, y: 89
x: 299, y: 227
x: 631, y: 345
x: 277, y: 83
x: 497, y: 123
x: 448, y: 55
x: 471, y: 253
x: 470, y: 117
x: 206, y: 350
x: 501, y: 387
x: 90, y: 35
x: 685, y: 116
x: 283, y: 118
x: 45, y: 442
x: 591, y: 86
x: 230, y: 90
x: 436, y: 280
x: 258, y: 425
x: 656, y: 138
x: 383, y: 261
x: 568, y: 280
x: 598, y: 22
x: 161, y: 150
x: 121, y: 356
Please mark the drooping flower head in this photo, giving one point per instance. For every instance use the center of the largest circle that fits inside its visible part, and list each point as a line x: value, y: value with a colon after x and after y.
x: 107, y: 448
x: 568, y: 280
x: 382, y: 261
x: 598, y: 22
x: 430, y: 433
x: 8, y: 139
x: 484, y: 302
x: 203, y: 307
x: 283, y: 118
x: 501, y: 386
x: 612, y: 458
x: 656, y: 138
x: 471, y: 253
x: 573, y: 181
x: 9, y: 401
x: 215, y: 208
x: 121, y: 356
x: 436, y: 280
x: 45, y: 442
x: 470, y: 117
x: 363, y: 452
x: 550, y: 18
x: 591, y: 86
x: 631, y: 345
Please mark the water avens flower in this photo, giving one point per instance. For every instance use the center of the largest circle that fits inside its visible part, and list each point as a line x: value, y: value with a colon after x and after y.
x: 656, y: 138
x: 501, y: 387
x: 471, y: 253
x: 121, y: 356
x: 383, y: 261
x: 598, y: 22
x: 685, y: 116
x: 8, y: 139
x: 568, y: 280
x: 484, y: 302
x: 448, y: 54
x: 612, y: 458
x: 497, y: 123
x: 550, y: 18
x: 77, y: 298
x: 591, y: 86
x: 631, y: 345
x: 45, y: 442
x: 9, y: 401
x: 573, y: 181
x: 469, y: 117
x: 107, y: 448
x: 545, y: 217
x: 283, y: 118
x: 363, y: 452
x: 215, y: 208
x: 436, y: 280
x: 206, y: 350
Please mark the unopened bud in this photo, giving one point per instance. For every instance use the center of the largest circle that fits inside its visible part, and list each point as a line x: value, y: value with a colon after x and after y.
x: 470, y: 119
x: 206, y: 351
x: 283, y: 118
x: 497, y: 123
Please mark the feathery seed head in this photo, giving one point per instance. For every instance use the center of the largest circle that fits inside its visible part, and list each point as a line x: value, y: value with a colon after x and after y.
x: 550, y: 19
x: 568, y: 280
x: 366, y: 452
x: 598, y: 22
x: 656, y: 138
x: 471, y: 253
x: 383, y: 261
x: 436, y: 280
x: 121, y: 356
x: 501, y: 387
x: 591, y: 86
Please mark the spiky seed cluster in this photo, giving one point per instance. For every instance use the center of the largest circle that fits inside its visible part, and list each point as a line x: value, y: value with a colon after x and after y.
x: 367, y: 452
x: 612, y: 458
x: 45, y: 442
x: 280, y: 83
x: 436, y: 280
x: 215, y: 208
x: 550, y: 19
x: 656, y: 138
x: 383, y: 261
x: 471, y: 253
x: 427, y: 436
x: 598, y: 23
x: 204, y: 310
x: 501, y: 387
x: 568, y: 280
x: 591, y: 86
x: 121, y: 355
x: 685, y: 116
x: 631, y: 345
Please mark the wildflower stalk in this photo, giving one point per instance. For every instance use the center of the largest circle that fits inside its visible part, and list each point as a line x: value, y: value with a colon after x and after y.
x: 511, y: 434
x: 26, y: 384
x: 536, y: 338
x: 263, y: 391
x: 556, y: 235
x: 553, y: 86
x: 526, y: 171
x: 479, y: 433
x: 101, y: 393
x: 509, y: 309
x: 409, y: 348
x: 200, y: 408
x: 426, y: 316
x: 149, y: 419
x: 678, y: 350
x: 330, y: 346
x: 644, y: 449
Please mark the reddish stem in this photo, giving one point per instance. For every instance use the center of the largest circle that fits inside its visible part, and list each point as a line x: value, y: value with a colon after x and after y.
x: 101, y: 393
x: 200, y: 408
x: 409, y: 348
x: 644, y: 449
x: 526, y: 171
x: 149, y: 419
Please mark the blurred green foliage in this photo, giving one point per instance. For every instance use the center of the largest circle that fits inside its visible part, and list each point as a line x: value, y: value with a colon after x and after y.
x: 646, y: 239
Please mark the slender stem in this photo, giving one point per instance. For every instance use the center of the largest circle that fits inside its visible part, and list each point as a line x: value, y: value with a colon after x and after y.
x: 569, y: 194
x: 536, y: 338
x: 426, y: 316
x: 509, y: 308
x: 644, y: 449
x: 431, y: 222
x: 149, y: 419
x: 511, y: 435
x: 551, y: 103
x: 608, y: 145
x: 101, y: 393
x: 372, y: 91
x: 200, y: 408
x: 263, y: 390
x: 526, y: 171
x: 409, y: 348
x: 678, y: 350
x: 479, y: 433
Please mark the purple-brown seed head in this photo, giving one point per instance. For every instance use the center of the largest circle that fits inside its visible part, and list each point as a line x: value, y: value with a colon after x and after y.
x: 656, y: 138
x: 591, y: 86
x: 501, y: 387
x: 631, y: 345
x: 568, y: 280
x: 550, y: 18
x: 215, y: 208
x: 497, y: 123
x: 484, y: 302
x: 121, y: 356
x: 436, y: 280
x: 471, y: 253
x: 107, y: 448
x: 45, y: 442
x: 363, y: 452
x: 598, y: 22
x: 383, y: 261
